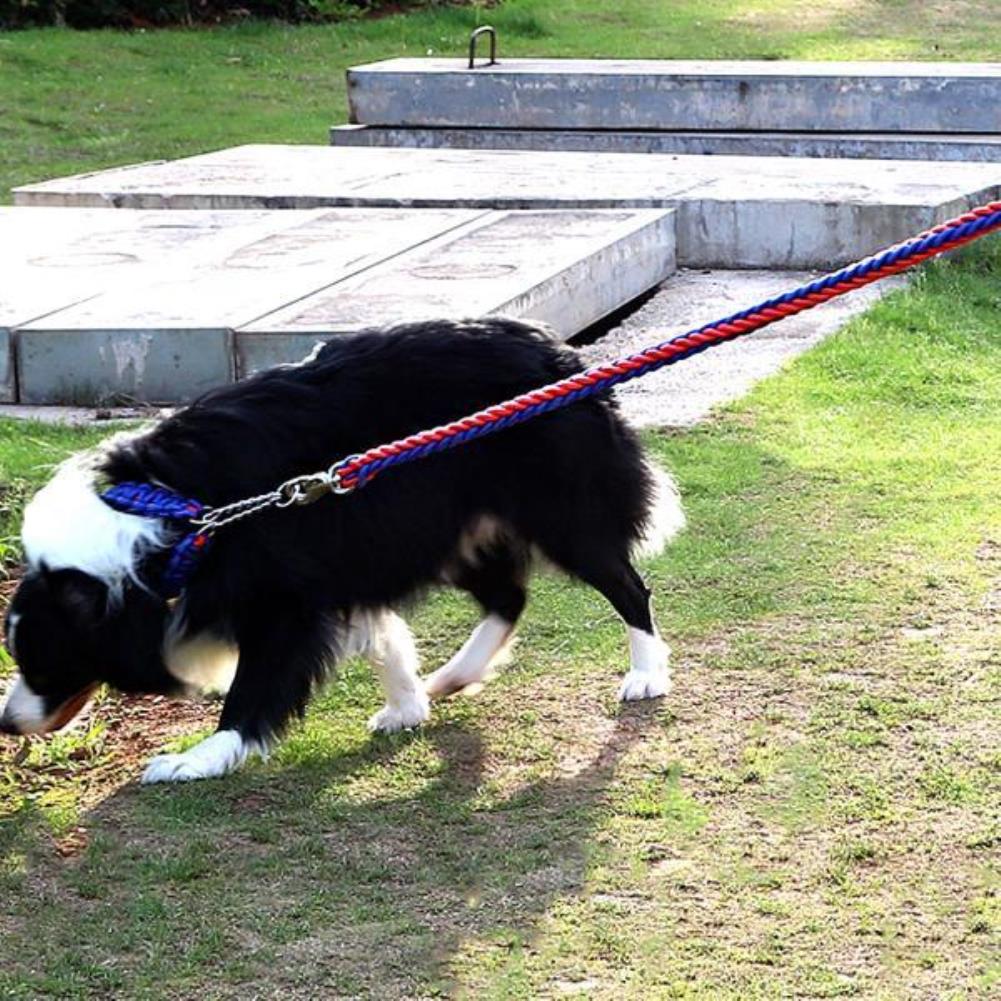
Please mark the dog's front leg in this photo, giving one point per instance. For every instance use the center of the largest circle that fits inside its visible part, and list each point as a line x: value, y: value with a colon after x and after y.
x: 390, y: 648
x: 283, y: 654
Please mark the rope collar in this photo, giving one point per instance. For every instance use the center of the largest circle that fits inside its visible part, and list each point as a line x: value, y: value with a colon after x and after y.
x: 182, y: 513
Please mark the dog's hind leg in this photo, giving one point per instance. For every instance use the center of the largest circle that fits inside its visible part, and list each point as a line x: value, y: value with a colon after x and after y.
x: 496, y: 580
x: 385, y: 639
x: 649, y: 674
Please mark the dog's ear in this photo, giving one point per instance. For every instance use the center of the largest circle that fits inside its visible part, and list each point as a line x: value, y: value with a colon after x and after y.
x: 82, y: 597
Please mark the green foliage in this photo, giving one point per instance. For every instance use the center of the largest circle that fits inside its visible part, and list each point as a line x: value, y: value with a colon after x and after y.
x: 142, y: 13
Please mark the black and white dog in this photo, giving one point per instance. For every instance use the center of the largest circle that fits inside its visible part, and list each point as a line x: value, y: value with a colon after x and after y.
x: 286, y: 594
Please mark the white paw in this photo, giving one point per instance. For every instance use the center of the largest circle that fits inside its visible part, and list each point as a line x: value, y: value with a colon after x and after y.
x: 638, y: 685
x: 403, y: 716
x: 170, y: 768
x: 217, y: 755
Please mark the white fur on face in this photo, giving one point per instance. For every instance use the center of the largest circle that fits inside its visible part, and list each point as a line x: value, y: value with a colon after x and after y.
x: 67, y: 526
x: 471, y: 665
x: 649, y: 675
x: 24, y: 711
x: 217, y: 755
x: 666, y: 518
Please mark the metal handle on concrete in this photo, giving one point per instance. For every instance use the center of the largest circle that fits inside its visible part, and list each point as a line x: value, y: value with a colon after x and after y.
x: 485, y: 30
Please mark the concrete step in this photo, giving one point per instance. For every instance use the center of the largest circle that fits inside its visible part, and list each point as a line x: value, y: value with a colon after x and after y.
x: 167, y: 335
x: 625, y: 95
x: 53, y: 258
x: 765, y: 212
x: 979, y: 148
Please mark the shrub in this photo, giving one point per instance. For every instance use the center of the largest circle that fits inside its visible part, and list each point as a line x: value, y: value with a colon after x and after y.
x: 149, y: 13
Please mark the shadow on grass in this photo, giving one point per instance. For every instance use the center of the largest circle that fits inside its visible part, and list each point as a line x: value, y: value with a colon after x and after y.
x: 307, y: 882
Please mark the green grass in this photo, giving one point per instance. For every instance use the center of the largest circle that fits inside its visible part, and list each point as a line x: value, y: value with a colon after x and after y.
x: 81, y: 101
x: 811, y: 812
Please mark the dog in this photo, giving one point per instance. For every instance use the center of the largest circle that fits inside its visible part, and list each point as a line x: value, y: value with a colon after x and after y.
x: 283, y: 596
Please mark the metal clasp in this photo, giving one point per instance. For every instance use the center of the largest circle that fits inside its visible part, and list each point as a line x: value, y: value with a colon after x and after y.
x: 304, y: 489
x: 485, y: 30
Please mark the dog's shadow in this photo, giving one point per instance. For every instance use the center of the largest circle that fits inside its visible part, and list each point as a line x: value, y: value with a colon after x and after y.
x: 305, y: 882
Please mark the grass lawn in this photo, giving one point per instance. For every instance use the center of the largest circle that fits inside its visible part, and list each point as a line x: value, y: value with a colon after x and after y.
x: 812, y: 812
x: 71, y: 102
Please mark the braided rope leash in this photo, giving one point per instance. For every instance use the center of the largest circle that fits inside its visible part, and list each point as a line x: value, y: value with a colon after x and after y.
x: 357, y: 470
x: 347, y: 475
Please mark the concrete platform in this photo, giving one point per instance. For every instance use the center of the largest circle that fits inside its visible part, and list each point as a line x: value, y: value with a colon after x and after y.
x: 980, y: 148
x: 51, y: 259
x: 172, y: 335
x: 661, y: 94
x: 758, y: 212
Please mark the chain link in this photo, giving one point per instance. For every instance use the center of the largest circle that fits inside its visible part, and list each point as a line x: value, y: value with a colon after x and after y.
x: 298, y: 491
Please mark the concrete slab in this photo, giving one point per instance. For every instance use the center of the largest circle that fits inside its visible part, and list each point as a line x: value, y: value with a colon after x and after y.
x: 567, y: 269
x: 686, y: 394
x: 169, y: 337
x: 734, y: 211
x: 661, y: 94
x: 979, y: 148
x: 51, y: 259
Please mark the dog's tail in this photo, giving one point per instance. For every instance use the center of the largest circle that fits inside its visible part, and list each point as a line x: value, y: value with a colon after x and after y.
x: 665, y: 517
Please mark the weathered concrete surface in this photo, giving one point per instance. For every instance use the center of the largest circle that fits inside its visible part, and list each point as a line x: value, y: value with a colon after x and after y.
x: 567, y: 269
x: 170, y: 336
x: 685, y: 394
x: 769, y: 212
x: 86, y: 366
x: 658, y: 94
x: 982, y: 148
x: 51, y: 259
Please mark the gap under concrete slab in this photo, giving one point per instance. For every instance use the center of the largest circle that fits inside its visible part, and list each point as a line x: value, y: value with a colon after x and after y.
x: 972, y: 148
x: 680, y: 395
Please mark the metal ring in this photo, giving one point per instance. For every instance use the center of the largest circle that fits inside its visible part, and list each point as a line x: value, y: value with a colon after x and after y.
x: 334, y: 476
x: 487, y: 29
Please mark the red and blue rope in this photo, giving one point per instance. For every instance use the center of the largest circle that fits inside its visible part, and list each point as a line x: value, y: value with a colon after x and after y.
x: 358, y: 470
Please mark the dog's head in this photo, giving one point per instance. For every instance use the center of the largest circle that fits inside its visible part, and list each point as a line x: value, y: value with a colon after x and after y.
x: 68, y: 637
x: 81, y: 615
x: 50, y: 632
